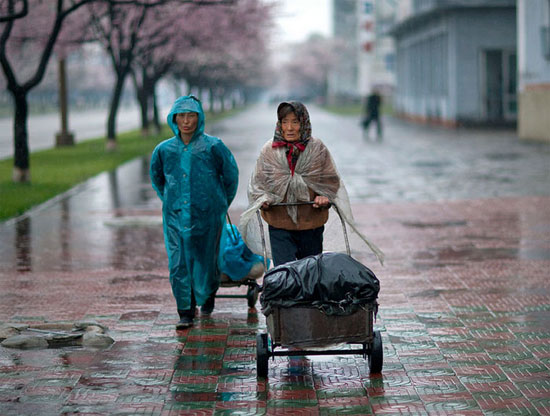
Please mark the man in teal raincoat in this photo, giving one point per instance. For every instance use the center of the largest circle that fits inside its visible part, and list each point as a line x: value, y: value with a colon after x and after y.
x: 196, y: 176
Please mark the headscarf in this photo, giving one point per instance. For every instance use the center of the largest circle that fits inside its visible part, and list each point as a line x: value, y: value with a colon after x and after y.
x: 293, y: 148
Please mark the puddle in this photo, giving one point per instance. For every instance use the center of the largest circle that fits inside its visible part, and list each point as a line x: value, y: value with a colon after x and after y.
x: 431, y: 293
x: 138, y: 278
x: 135, y: 221
x: 139, y: 316
x: 488, y: 177
x: 139, y: 299
x: 503, y: 157
x: 54, y: 335
x: 56, y: 235
x: 442, y: 224
x: 431, y: 164
x: 449, y: 255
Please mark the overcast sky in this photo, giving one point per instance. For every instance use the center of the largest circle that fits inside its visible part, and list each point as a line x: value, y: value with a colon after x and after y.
x: 297, y: 19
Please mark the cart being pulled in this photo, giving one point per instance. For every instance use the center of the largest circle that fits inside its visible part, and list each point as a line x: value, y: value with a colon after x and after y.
x: 313, y: 304
x: 239, y: 266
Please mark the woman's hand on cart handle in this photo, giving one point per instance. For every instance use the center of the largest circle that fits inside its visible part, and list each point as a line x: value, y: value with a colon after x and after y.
x: 315, y: 203
x: 265, y: 206
x: 321, y: 202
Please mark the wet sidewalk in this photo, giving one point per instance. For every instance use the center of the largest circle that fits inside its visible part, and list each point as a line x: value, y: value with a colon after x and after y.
x: 464, y: 307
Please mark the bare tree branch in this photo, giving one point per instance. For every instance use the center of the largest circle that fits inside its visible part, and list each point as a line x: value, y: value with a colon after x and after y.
x: 12, y: 14
x: 153, y: 3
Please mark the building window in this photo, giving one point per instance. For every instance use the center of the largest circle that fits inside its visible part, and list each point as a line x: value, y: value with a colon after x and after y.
x: 545, y: 41
x: 390, y: 62
x: 545, y: 33
x: 422, y: 68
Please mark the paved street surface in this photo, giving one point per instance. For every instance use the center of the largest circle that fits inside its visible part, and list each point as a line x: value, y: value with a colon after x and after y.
x: 463, y: 217
x: 84, y: 125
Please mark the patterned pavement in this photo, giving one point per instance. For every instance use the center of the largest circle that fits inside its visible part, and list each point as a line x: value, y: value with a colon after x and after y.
x: 464, y: 317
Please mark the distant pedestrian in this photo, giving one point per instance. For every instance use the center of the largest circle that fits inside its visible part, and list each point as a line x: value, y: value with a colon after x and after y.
x: 195, y: 175
x: 372, y: 113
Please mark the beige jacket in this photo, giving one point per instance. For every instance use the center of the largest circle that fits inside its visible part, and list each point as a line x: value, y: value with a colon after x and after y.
x: 315, y: 175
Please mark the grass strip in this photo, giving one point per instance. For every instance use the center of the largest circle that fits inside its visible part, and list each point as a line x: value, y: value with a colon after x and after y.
x: 56, y: 170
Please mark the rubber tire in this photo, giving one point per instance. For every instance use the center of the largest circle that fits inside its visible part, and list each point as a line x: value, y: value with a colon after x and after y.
x: 252, y: 295
x: 262, y: 357
x: 376, y: 356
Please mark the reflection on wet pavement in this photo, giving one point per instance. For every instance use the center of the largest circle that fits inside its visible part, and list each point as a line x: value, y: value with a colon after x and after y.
x: 468, y: 337
x: 22, y: 245
x: 90, y: 227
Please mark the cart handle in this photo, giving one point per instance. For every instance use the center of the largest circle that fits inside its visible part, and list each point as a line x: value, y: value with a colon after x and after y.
x: 348, y: 250
x: 231, y: 226
x: 291, y: 204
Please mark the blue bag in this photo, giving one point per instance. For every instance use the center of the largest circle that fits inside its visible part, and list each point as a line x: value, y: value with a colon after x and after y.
x: 236, y: 258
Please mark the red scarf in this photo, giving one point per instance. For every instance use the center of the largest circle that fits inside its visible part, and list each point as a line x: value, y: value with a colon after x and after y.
x: 292, y: 153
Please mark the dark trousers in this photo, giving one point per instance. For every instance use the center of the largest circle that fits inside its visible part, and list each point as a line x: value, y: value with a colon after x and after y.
x: 190, y: 313
x: 290, y: 245
x: 366, y: 123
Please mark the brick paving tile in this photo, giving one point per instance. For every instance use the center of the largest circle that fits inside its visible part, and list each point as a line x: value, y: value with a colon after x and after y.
x: 291, y: 394
x: 290, y: 409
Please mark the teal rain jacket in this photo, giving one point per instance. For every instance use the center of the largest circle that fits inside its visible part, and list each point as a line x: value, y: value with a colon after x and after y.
x: 196, y: 183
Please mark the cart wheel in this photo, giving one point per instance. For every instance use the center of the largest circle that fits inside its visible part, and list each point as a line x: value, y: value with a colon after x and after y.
x: 261, y: 355
x: 376, y: 356
x: 252, y: 295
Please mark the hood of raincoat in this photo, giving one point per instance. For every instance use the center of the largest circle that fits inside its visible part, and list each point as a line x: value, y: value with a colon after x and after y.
x: 186, y: 104
x: 305, y: 124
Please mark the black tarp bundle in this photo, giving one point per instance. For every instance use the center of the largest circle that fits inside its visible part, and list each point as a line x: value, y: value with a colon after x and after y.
x: 335, y: 283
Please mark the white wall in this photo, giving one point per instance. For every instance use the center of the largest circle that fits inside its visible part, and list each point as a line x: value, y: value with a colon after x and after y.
x: 532, y: 66
x: 478, y: 30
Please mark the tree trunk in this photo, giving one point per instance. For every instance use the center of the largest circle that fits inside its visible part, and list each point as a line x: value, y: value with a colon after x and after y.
x: 143, y: 100
x: 144, y: 109
x: 177, y: 88
x: 149, y: 93
x: 222, y: 101
x: 211, y: 99
x: 113, y: 109
x: 21, y: 172
x: 156, y: 120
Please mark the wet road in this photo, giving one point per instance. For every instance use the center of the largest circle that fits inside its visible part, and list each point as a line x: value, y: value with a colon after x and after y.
x: 463, y: 217
x: 413, y: 163
x: 83, y: 124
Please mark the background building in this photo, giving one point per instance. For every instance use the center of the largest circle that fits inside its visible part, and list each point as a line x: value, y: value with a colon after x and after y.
x: 456, y: 62
x: 533, y: 19
x: 366, y: 51
x: 342, y: 83
x: 448, y: 62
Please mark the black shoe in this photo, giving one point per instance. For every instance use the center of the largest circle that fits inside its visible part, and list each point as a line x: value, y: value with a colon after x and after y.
x: 186, y: 318
x: 185, y: 322
x: 208, y: 306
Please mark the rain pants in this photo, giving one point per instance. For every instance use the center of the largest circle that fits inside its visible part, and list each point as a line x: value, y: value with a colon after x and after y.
x: 196, y: 183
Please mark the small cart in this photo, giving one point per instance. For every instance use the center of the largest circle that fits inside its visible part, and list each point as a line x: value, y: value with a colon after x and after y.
x: 304, y: 328
x: 252, y: 291
x: 253, y: 288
